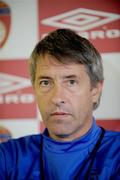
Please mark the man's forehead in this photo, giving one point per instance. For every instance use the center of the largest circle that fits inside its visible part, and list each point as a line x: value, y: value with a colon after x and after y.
x: 48, y: 61
x: 58, y: 69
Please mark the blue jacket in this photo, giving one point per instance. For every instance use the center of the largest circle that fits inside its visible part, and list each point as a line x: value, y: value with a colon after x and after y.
x: 40, y: 157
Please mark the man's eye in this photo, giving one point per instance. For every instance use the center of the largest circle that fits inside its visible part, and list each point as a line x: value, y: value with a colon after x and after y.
x: 72, y: 81
x: 44, y: 83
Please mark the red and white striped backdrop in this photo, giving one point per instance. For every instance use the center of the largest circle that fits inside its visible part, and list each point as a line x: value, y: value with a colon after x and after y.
x: 23, y: 23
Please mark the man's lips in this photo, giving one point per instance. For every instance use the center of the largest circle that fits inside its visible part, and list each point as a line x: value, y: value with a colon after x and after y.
x: 59, y: 113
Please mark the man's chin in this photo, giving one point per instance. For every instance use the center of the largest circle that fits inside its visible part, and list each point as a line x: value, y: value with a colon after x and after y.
x: 62, y: 135
x: 59, y: 135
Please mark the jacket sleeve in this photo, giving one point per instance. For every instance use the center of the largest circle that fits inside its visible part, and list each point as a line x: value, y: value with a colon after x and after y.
x: 7, y: 159
x: 116, y: 173
x: 116, y: 163
x: 2, y: 163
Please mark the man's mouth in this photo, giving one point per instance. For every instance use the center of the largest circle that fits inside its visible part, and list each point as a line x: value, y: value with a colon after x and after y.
x: 59, y: 113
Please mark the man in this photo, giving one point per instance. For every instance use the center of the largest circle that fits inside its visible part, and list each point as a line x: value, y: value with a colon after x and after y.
x: 67, y: 78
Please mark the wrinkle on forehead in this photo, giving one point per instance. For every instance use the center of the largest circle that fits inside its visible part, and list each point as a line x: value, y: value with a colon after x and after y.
x: 50, y: 67
x: 48, y: 60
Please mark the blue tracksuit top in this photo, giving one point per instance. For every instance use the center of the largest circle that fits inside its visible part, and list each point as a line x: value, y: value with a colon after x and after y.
x: 20, y: 159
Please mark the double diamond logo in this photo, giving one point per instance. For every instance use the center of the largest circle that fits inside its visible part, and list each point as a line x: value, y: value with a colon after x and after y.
x: 9, y: 83
x: 81, y: 19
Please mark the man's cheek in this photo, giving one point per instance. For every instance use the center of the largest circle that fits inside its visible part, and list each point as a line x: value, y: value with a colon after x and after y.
x: 41, y: 107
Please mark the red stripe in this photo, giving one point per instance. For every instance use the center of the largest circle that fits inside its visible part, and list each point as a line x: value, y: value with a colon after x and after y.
x: 111, y: 124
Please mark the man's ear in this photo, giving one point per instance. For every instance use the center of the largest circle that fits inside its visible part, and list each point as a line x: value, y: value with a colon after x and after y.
x: 96, y: 91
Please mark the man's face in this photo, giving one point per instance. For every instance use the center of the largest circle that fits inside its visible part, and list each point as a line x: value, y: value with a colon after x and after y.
x: 65, y: 97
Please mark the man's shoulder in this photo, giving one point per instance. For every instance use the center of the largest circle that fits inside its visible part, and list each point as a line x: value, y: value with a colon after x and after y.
x: 112, y: 134
x: 112, y: 139
x: 24, y: 142
x: 16, y: 155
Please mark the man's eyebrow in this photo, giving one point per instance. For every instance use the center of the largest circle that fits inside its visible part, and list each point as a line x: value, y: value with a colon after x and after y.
x: 70, y: 76
x: 44, y: 77
x: 63, y: 77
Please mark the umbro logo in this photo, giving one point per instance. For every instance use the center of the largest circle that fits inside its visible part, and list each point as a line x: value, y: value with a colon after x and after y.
x: 81, y: 19
x: 10, y: 83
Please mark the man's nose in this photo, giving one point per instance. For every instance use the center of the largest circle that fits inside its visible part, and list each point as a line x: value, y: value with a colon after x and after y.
x: 58, y: 95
